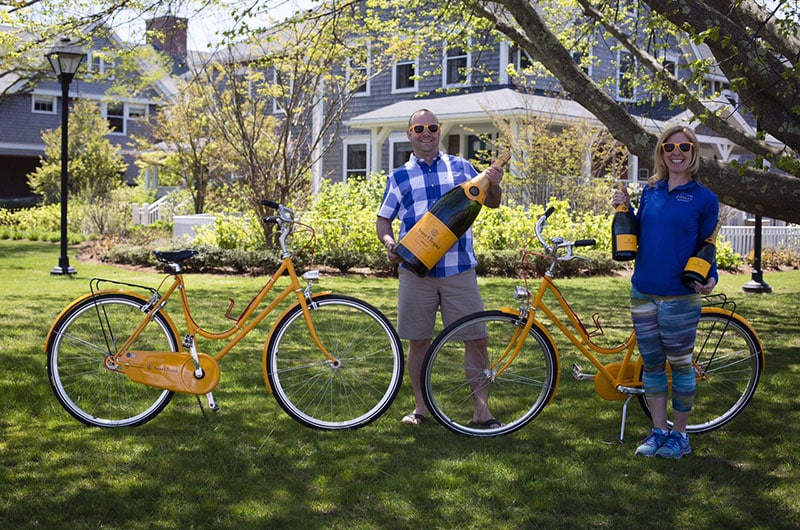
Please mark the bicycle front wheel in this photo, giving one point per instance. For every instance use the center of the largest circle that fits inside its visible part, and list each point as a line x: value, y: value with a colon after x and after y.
x: 82, y: 339
x: 346, y: 394
x: 728, y: 363
x: 458, y: 378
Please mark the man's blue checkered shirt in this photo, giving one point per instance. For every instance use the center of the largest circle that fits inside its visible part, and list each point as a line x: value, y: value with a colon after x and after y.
x: 412, y: 189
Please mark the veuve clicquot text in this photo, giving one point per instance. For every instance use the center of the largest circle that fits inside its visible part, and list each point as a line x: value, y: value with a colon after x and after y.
x: 624, y: 239
x: 447, y: 220
x: 698, y: 267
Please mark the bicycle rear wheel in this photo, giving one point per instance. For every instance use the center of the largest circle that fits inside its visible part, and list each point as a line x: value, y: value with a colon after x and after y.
x: 349, y: 394
x: 516, y: 394
x: 728, y: 363
x: 79, y: 344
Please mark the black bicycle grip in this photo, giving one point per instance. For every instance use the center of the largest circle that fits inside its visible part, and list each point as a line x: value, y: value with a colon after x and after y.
x: 585, y: 243
x: 549, y: 211
x: 271, y: 219
x: 269, y: 203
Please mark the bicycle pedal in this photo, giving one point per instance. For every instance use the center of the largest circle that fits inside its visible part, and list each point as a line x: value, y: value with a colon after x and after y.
x: 212, y: 403
x: 578, y: 375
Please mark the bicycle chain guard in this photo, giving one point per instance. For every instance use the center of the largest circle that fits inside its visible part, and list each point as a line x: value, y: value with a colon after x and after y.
x: 169, y: 370
x: 606, y: 389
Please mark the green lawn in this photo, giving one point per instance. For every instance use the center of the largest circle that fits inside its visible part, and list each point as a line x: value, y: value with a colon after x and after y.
x: 251, y: 466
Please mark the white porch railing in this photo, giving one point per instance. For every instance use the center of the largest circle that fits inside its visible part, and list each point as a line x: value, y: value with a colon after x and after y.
x: 742, y: 238
x: 149, y: 213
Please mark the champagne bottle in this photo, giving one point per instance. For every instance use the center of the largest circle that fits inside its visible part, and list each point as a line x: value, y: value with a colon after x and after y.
x: 699, y: 265
x: 624, y: 239
x: 447, y: 220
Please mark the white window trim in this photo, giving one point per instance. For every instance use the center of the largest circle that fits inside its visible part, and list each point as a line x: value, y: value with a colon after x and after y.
x: 356, y: 140
x: 41, y: 97
x: 467, y: 82
x: 414, y: 88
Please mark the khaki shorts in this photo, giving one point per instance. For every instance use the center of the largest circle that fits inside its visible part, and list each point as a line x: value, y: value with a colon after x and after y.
x: 419, y: 299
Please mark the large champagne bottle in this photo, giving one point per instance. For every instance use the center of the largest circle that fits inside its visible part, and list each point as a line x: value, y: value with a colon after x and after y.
x: 624, y: 239
x: 699, y: 265
x: 447, y: 220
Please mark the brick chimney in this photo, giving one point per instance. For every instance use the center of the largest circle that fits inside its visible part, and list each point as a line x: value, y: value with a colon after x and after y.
x: 168, y: 34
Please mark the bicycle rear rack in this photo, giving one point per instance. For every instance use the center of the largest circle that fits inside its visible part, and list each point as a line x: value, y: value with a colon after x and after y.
x: 95, y: 283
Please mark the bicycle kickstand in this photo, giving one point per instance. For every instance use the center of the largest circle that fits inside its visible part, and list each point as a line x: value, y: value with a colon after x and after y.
x: 630, y: 392
x: 624, y: 418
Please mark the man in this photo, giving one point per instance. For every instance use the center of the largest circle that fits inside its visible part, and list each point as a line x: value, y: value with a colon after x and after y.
x: 452, y: 284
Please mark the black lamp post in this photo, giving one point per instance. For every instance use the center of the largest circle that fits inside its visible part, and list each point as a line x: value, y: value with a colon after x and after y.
x: 65, y: 58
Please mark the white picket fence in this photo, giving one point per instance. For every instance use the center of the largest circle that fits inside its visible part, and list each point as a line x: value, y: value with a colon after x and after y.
x: 742, y: 238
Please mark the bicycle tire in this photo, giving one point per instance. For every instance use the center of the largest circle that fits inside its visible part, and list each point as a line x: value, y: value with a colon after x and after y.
x: 313, y: 391
x: 729, y: 363
x: 515, y: 396
x: 76, y: 353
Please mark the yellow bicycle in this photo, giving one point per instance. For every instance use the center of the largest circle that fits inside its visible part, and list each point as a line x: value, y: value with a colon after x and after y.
x: 114, y: 358
x: 523, y: 365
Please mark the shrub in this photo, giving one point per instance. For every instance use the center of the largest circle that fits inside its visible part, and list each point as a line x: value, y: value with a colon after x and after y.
x: 773, y: 258
x: 343, y: 215
x: 727, y: 259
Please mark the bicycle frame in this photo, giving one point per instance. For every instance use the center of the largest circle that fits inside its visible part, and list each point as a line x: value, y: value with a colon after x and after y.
x: 617, y: 378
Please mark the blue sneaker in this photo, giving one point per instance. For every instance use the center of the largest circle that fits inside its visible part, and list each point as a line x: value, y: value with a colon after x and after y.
x: 676, y: 446
x: 652, y: 443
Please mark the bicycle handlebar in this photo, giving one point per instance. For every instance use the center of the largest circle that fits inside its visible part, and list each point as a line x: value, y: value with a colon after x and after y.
x: 284, y: 219
x: 559, y: 242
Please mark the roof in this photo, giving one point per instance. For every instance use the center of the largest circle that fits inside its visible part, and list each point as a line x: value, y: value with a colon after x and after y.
x: 475, y: 107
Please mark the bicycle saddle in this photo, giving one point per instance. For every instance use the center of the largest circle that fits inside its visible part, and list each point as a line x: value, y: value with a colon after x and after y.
x: 174, y: 256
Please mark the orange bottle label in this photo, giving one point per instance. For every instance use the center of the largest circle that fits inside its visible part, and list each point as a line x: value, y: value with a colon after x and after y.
x: 698, y: 265
x: 626, y: 242
x: 429, y: 239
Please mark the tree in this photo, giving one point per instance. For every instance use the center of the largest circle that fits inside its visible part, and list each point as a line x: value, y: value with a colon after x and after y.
x: 276, y: 100
x: 756, y: 49
x: 182, y: 141
x: 95, y: 166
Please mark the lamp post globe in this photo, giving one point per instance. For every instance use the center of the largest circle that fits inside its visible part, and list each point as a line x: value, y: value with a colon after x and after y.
x: 65, y: 58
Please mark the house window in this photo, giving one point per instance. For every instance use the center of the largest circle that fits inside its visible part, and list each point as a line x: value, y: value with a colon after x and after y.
x: 44, y: 104
x: 137, y: 112
x: 478, y: 149
x: 358, y: 74
x: 115, y: 115
x: 355, y: 161
x: 283, y: 87
x: 456, y: 67
x: 404, y: 76
x: 401, y: 151
x: 670, y: 65
x: 580, y: 59
x: 626, y: 70
x: 522, y: 60
x: 99, y: 65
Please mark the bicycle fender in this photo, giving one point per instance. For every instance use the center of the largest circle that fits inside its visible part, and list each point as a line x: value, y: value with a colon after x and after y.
x: 743, y: 321
x: 272, y: 332
x: 538, y: 325
x: 81, y: 299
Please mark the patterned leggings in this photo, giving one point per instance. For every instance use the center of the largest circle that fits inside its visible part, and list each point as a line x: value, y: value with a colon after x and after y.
x: 666, y: 327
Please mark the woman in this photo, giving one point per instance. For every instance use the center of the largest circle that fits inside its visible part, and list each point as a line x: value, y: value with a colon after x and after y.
x: 676, y: 214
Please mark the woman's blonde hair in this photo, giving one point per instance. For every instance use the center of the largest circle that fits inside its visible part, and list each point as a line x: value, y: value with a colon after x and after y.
x: 660, y: 171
